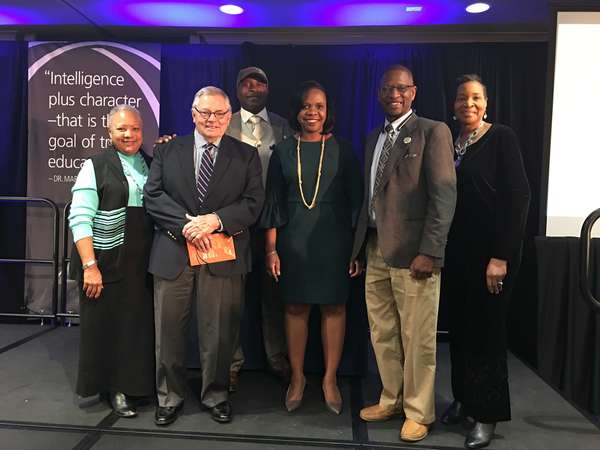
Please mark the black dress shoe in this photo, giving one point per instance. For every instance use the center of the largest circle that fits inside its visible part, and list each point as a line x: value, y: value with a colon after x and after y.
x: 121, y: 405
x: 454, y: 415
x: 221, y: 413
x: 165, y: 415
x: 481, y: 435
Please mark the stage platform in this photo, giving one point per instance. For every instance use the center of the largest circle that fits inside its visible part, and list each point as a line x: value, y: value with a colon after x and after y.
x: 40, y: 411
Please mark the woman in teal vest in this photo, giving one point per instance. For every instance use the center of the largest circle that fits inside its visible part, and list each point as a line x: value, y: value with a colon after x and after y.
x: 112, y: 236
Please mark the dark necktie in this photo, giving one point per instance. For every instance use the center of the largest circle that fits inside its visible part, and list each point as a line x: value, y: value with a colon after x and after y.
x: 383, y: 158
x: 205, y: 171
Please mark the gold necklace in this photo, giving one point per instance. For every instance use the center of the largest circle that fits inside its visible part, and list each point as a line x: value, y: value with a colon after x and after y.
x: 299, y: 164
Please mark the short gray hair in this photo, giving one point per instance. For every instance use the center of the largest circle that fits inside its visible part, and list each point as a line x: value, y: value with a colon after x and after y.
x: 121, y: 108
x: 211, y: 90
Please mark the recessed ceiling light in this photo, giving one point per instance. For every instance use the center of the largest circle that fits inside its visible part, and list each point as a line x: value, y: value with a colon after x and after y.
x: 477, y: 8
x: 414, y: 8
x: 231, y: 9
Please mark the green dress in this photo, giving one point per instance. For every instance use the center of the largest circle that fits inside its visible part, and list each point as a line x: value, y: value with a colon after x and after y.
x: 314, y: 246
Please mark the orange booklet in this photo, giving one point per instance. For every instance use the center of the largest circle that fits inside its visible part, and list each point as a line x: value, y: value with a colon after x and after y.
x: 222, y: 249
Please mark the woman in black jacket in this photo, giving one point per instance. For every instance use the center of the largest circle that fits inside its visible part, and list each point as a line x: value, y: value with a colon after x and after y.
x: 482, y: 261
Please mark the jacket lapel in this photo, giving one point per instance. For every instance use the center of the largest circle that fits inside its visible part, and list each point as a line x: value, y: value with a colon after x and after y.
x: 221, y: 166
x: 235, y: 126
x: 277, y: 127
x: 369, y: 152
x: 185, y: 156
x: 401, y: 149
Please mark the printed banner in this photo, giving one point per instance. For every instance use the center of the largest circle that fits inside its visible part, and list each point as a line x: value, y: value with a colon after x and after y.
x: 72, y: 87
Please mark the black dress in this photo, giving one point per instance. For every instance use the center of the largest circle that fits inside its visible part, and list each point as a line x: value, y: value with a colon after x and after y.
x: 117, y: 329
x: 314, y: 245
x: 489, y: 222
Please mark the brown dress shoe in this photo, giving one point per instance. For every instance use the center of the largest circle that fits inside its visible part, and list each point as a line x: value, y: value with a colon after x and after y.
x: 378, y: 413
x: 413, y: 431
x: 234, y: 378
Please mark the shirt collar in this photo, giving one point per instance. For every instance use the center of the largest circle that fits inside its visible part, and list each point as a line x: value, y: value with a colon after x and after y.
x: 263, y: 114
x: 199, y: 140
x: 397, y: 122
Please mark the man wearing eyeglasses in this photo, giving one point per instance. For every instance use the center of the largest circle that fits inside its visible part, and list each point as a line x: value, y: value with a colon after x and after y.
x: 262, y: 129
x: 200, y: 184
x: 410, y: 194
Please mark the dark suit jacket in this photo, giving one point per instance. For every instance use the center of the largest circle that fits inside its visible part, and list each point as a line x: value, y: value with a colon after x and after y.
x: 416, y: 202
x: 235, y: 193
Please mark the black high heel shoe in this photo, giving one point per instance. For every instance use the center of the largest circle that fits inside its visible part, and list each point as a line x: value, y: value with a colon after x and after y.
x: 481, y: 435
x: 121, y: 405
x: 454, y: 414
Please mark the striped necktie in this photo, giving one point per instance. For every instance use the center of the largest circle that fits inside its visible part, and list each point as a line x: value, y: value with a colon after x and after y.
x: 205, y: 171
x: 383, y: 158
x: 257, y: 129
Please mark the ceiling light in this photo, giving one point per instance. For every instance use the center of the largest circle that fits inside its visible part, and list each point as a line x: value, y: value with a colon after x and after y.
x: 231, y: 9
x: 477, y: 8
x: 414, y: 8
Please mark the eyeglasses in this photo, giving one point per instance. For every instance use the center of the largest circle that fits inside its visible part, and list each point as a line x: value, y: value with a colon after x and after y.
x: 205, y: 114
x: 402, y: 88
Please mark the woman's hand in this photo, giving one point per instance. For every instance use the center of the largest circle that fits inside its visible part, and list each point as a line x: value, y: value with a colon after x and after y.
x: 92, y: 282
x: 273, y: 265
x: 356, y: 268
x: 495, y: 274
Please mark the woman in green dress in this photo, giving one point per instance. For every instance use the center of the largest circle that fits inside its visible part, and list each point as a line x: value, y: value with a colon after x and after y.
x: 314, y: 193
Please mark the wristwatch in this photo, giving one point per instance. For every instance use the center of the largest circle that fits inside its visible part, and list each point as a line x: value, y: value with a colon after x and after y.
x: 89, y: 264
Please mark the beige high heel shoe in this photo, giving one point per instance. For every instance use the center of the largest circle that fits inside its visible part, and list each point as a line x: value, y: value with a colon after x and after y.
x: 292, y: 405
x: 335, y: 406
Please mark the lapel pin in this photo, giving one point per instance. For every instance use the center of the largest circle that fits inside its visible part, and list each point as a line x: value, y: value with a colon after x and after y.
x: 407, y: 140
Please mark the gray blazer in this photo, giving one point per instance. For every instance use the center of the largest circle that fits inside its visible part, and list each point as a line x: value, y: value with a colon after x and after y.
x: 415, y: 206
x: 281, y: 129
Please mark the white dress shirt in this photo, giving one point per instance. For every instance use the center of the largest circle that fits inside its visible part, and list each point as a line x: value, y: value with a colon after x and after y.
x: 265, y: 146
x: 397, y: 124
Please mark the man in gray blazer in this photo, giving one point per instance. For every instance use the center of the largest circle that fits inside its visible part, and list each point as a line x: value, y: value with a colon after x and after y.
x: 262, y: 129
x: 410, y: 195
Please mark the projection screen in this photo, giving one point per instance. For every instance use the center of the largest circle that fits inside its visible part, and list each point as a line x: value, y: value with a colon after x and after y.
x: 574, y: 171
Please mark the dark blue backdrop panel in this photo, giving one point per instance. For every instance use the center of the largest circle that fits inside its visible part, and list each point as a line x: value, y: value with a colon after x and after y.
x: 13, y: 168
x: 187, y: 68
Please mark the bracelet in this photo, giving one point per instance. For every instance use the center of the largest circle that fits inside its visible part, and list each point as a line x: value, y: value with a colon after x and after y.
x: 272, y: 252
x: 89, y: 264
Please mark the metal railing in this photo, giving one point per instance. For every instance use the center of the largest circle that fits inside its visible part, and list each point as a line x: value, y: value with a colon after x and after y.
x: 53, y: 261
x: 585, y: 244
x: 62, y: 313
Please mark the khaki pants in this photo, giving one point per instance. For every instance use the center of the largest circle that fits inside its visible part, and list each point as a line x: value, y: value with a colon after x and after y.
x: 403, y: 321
